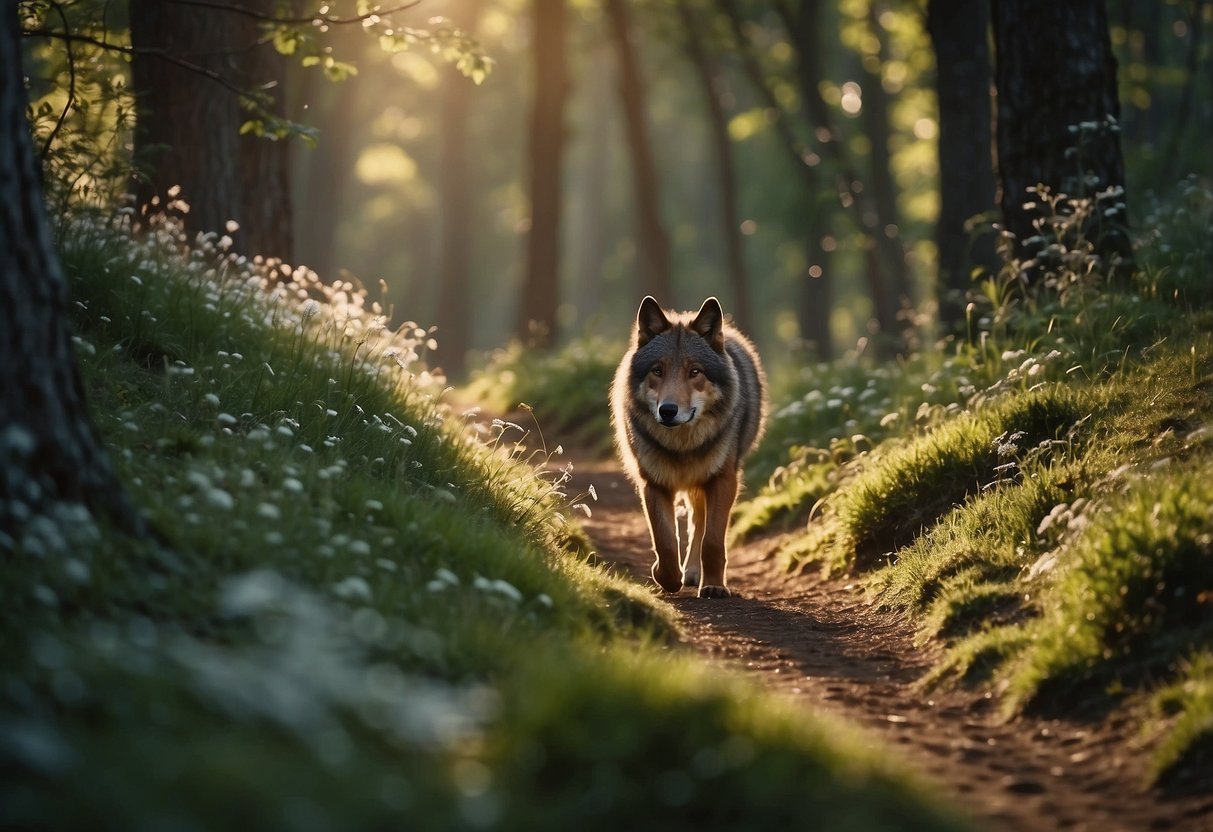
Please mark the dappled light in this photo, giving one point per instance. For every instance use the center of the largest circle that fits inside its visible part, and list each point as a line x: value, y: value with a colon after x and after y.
x: 365, y: 463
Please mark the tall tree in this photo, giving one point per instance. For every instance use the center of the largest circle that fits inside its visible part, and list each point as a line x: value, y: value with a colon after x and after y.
x: 1058, y: 117
x: 455, y: 244
x: 191, y: 66
x: 188, y: 129
x: 536, y: 317
x: 715, y: 92
x: 959, y: 35
x: 816, y: 296
x: 50, y: 452
x: 652, y: 241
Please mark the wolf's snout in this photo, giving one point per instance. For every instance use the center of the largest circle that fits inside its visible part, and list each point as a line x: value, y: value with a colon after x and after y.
x: 668, y: 412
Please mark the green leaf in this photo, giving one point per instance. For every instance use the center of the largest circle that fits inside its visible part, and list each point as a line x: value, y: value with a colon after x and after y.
x: 286, y: 40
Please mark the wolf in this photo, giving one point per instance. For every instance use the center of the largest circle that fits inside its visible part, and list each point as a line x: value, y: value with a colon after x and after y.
x: 688, y: 402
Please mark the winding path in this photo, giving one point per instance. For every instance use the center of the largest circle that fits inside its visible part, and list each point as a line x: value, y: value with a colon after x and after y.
x: 817, y: 641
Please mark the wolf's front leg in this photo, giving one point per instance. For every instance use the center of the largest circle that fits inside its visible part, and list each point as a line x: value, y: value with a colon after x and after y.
x: 659, y: 509
x: 720, y: 493
x: 692, y: 569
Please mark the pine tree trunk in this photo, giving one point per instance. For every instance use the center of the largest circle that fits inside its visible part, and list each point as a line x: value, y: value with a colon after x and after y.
x: 50, y: 452
x: 712, y: 82
x: 652, y: 241
x: 536, y: 318
x: 264, y: 210
x: 959, y: 30
x: 188, y: 125
x: 455, y: 243
x: 1055, y: 71
x: 187, y: 131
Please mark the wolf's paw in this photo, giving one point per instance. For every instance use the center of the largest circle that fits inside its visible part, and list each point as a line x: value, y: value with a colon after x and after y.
x: 669, y: 581
x: 690, y: 579
x: 717, y: 592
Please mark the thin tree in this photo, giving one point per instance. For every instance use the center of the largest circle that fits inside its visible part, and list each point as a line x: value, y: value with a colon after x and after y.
x: 536, y: 316
x: 50, y: 453
x: 455, y: 241
x: 715, y: 92
x: 652, y: 241
x: 190, y: 67
x: 959, y: 35
x: 1058, y: 119
x: 816, y: 295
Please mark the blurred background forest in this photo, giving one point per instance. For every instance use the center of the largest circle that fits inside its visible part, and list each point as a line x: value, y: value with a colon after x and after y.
x: 781, y: 155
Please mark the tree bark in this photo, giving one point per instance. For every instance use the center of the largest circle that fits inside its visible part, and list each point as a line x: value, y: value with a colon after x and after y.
x: 958, y: 30
x: 536, y: 318
x: 50, y: 452
x: 812, y: 307
x: 712, y: 83
x: 456, y: 241
x: 188, y: 126
x: 882, y: 192
x: 652, y: 241
x: 1055, y: 70
x: 265, y: 208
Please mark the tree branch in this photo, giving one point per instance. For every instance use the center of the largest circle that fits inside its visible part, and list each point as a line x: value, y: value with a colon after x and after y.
x: 71, y: 89
x: 68, y: 37
x: 269, y: 18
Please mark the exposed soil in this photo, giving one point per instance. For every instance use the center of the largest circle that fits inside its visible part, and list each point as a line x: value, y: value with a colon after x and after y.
x: 819, y: 642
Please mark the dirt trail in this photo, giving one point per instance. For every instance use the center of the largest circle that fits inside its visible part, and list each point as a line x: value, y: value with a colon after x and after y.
x: 819, y: 642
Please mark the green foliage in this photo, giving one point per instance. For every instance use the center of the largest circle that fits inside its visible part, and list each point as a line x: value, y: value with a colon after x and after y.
x: 1133, y: 598
x: 567, y: 391
x: 1072, y: 570
x: 1185, y: 717
x: 357, y: 615
x: 909, y: 486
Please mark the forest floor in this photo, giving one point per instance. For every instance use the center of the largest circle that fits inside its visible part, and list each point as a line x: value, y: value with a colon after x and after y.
x: 818, y: 641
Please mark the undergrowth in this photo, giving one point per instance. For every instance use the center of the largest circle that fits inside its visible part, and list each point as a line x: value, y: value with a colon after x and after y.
x: 1047, y: 516
x: 361, y: 611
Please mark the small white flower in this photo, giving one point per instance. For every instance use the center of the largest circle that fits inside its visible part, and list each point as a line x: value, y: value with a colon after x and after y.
x: 293, y: 485
x: 219, y: 498
x: 212, y: 400
x: 353, y: 588
x: 269, y: 511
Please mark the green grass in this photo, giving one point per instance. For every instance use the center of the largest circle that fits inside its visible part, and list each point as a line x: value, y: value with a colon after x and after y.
x: 360, y: 615
x: 904, y: 488
x: 568, y: 390
x: 1036, y: 501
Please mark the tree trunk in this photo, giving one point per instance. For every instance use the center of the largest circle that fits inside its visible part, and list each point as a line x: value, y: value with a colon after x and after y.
x: 264, y: 210
x: 50, y: 453
x: 882, y: 191
x: 712, y: 82
x: 188, y: 126
x: 812, y: 307
x: 536, y: 319
x: 1055, y: 70
x: 589, y: 233
x: 652, y: 242
x: 456, y: 241
x: 958, y: 30
x: 329, y: 167
x: 816, y: 298
x: 885, y: 272
x: 187, y: 131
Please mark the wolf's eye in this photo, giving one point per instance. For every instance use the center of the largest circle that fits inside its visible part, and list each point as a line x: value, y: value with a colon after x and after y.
x: 656, y: 370
x: 695, y: 371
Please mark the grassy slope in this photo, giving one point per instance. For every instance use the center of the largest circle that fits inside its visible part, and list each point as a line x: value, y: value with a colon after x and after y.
x: 1048, y: 518
x: 360, y: 617
x: 1036, y: 499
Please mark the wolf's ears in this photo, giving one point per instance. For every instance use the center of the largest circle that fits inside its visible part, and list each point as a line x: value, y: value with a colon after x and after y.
x: 650, y: 321
x: 709, y: 324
